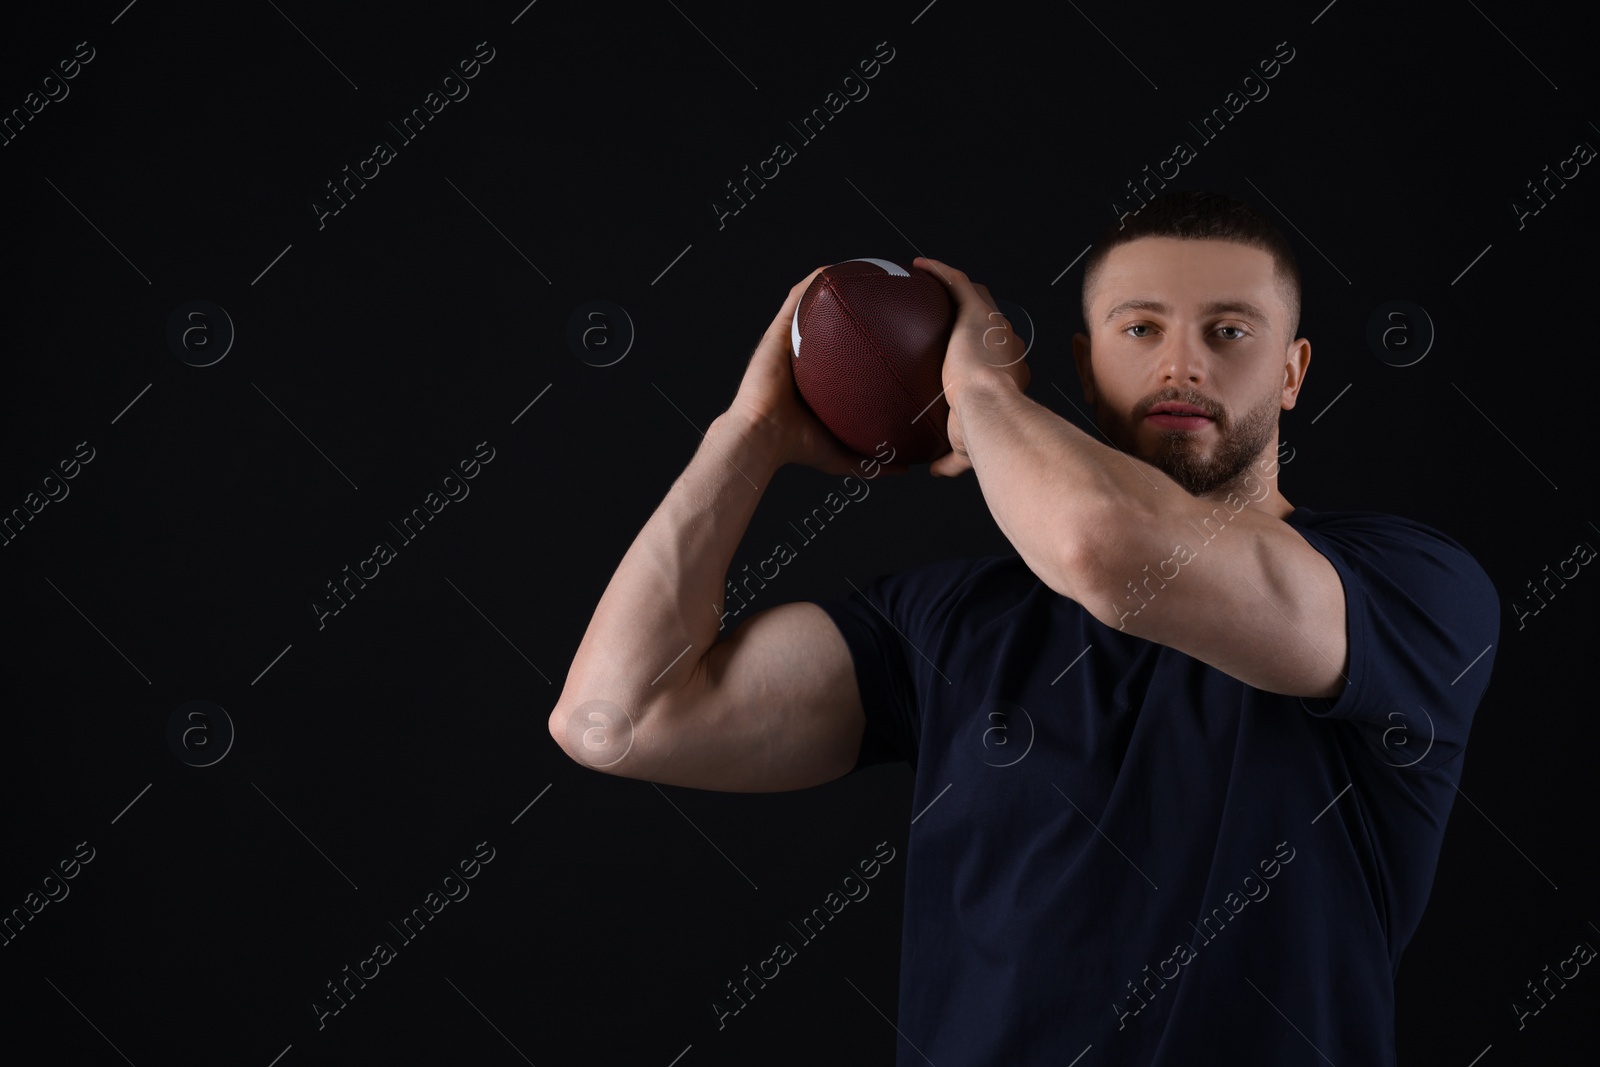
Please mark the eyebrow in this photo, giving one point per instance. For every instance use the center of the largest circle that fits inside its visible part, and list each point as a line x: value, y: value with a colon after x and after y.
x: 1216, y: 307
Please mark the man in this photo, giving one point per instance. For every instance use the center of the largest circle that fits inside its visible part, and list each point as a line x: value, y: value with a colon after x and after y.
x: 1183, y: 761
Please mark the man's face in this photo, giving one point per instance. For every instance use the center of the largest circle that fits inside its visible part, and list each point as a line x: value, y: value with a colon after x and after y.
x: 1195, y: 328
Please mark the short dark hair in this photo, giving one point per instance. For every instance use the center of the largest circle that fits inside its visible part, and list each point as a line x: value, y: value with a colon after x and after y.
x: 1200, y: 215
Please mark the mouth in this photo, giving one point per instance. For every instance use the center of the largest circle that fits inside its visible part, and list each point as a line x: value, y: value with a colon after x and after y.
x: 1175, y: 416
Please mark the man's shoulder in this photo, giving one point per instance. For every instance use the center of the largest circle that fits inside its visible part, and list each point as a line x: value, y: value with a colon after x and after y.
x: 1347, y: 519
x: 1414, y: 596
x: 1376, y: 536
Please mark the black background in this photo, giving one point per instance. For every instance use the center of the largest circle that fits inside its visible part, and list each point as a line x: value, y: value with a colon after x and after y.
x: 380, y: 349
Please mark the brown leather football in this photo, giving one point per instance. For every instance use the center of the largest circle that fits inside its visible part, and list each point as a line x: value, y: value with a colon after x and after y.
x: 868, y: 341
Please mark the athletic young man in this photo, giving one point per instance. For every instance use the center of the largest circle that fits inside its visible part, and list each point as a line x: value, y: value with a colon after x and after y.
x: 1183, y: 761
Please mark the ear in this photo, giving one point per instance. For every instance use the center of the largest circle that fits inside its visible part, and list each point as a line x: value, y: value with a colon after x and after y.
x: 1294, y: 371
x: 1080, y: 356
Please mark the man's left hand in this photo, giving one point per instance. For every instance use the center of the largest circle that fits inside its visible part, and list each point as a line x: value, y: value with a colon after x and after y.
x: 983, y: 351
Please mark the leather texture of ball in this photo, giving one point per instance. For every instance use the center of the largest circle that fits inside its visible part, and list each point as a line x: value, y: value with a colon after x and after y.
x: 868, y: 341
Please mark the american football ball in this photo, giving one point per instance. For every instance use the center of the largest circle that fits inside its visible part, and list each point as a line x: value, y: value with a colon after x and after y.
x: 868, y: 343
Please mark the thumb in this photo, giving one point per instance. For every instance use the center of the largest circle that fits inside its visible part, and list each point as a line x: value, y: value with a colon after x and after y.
x: 949, y: 465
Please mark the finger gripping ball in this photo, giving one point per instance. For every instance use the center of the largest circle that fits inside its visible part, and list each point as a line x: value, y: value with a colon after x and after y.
x: 868, y: 341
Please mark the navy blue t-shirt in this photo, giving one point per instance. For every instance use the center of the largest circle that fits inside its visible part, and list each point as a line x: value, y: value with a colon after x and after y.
x: 1116, y: 845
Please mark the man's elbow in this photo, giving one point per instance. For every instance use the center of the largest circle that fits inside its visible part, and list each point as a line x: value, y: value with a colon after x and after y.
x: 598, y: 734
x: 1086, y: 570
x: 557, y: 724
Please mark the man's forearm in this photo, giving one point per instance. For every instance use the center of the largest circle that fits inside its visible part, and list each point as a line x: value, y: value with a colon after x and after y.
x: 662, y: 608
x: 1066, y: 502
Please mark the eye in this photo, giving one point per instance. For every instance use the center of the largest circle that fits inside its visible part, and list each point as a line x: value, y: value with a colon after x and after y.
x: 1236, y: 330
x: 1137, y: 326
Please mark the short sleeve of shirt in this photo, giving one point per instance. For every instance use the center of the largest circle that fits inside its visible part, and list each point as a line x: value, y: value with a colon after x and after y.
x: 891, y: 624
x: 1422, y: 619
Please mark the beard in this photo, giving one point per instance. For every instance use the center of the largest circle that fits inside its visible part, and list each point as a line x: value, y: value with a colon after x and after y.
x: 1181, y: 455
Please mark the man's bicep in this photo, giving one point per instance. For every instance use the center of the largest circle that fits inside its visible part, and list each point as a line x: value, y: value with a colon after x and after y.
x: 773, y: 706
x: 1252, y: 599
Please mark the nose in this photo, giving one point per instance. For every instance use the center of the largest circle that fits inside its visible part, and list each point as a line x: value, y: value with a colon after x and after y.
x: 1183, y: 361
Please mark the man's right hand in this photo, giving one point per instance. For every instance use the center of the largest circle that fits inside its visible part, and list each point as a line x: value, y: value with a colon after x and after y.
x: 769, y: 403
